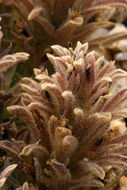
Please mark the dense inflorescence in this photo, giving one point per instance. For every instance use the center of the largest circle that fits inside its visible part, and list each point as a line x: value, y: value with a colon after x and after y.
x: 67, y: 142
x: 38, y: 24
x: 67, y: 130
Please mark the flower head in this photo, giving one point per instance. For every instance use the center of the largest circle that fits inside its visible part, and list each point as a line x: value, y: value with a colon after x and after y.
x: 68, y: 115
x: 39, y: 24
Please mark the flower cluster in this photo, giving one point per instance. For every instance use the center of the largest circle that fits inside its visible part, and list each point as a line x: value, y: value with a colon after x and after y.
x: 67, y: 142
x: 39, y: 24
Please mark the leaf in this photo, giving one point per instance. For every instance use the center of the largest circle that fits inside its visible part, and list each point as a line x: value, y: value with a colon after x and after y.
x: 115, y: 100
x: 34, y: 148
x: 4, y: 145
x: 26, y: 115
x: 96, y: 170
x: 5, y: 173
x: 85, y: 182
x: 60, y: 170
x: 71, y: 24
x: 10, y: 60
